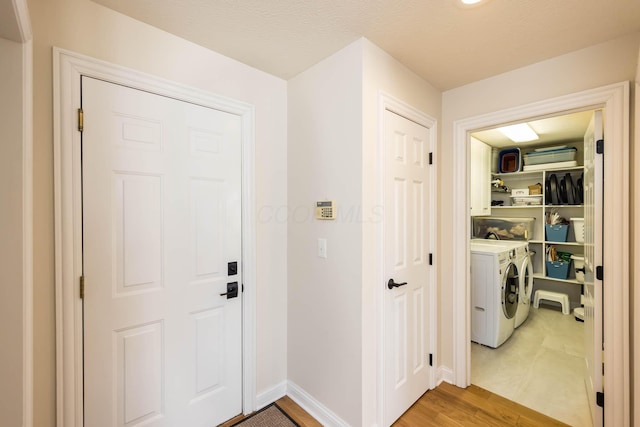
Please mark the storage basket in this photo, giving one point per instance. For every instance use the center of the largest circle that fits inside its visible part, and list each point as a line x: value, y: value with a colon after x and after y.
x: 504, y: 228
x: 556, y: 232
x: 510, y: 160
x: 558, y: 269
x: 578, y: 264
x: 550, y: 156
x: 578, y: 229
x: 526, y: 200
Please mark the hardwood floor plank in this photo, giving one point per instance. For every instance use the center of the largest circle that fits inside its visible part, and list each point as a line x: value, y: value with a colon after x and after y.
x: 454, y: 408
x: 473, y: 395
x: 499, y: 413
x: 232, y: 421
x: 526, y: 413
x: 425, y: 418
x: 298, y: 414
x: 447, y: 406
x: 494, y: 407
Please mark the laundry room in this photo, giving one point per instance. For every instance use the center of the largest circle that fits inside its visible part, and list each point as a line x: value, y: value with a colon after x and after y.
x: 530, y: 187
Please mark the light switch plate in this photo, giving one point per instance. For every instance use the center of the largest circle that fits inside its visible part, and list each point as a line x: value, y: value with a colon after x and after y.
x: 322, y: 248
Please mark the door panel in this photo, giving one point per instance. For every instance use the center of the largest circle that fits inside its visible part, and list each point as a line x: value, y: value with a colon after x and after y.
x: 593, y: 184
x: 139, y: 356
x: 406, y: 248
x: 137, y: 232
x: 161, y: 219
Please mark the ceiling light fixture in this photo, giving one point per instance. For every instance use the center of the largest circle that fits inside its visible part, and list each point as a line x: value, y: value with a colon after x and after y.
x: 470, y: 3
x: 519, y: 133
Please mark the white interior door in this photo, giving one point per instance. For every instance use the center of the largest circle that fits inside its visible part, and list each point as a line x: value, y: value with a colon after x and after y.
x: 161, y: 222
x: 593, y: 185
x: 406, y: 251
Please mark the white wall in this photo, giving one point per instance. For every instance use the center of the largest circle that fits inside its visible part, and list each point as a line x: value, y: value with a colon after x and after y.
x: 88, y: 28
x: 381, y: 73
x: 11, y: 244
x: 327, y: 157
x: 333, y: 303
x: 324, y: 162
x: 598, y: 65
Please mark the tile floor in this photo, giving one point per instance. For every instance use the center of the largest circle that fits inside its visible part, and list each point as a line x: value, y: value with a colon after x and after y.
x: 541, y: 366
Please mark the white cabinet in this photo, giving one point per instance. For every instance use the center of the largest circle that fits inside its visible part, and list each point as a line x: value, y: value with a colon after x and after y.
x: 480, y: 178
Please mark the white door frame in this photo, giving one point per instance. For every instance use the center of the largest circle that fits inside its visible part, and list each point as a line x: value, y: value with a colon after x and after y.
x: 68, y: 67
x: 615, y: 99
x: 387, y: 102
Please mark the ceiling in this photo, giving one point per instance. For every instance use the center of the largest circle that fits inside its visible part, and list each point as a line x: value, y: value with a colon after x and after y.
x: 444, y: 43
x: 551, y: 131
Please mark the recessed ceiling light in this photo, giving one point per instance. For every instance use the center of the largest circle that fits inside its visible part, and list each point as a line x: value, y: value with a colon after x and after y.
x: 519, y: 133
x: 470, y: 3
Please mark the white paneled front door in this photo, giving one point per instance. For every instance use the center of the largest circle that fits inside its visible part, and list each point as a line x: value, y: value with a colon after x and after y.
x: 406, y: 252
x: 161, y: 225
x: 593, y: 315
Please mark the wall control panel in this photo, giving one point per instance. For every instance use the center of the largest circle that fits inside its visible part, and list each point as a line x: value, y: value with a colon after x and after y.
x: 326, y: 209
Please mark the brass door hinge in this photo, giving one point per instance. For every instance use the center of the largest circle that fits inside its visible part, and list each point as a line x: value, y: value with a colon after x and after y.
x: 82, y: 287
x: 80, y: 120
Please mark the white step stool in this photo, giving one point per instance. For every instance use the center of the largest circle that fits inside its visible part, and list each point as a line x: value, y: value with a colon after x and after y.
x: 563, y: 299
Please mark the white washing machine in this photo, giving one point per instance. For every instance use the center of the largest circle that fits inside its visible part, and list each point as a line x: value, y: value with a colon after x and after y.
x: 494, y: 293
x: 522, y: 260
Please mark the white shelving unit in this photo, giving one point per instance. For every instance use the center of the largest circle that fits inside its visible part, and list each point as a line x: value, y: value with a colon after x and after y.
x: 538, y: 241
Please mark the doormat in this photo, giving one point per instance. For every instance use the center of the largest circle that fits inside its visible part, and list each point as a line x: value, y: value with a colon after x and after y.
x: 269, y: 416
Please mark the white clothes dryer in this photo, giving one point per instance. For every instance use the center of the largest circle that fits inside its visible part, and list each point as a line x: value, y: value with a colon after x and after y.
x: 522, y: 260
x: 494, y: 293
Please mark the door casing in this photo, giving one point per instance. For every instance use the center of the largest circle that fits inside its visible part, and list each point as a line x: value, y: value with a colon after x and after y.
x: 68, y: 67
x: 615, y: 100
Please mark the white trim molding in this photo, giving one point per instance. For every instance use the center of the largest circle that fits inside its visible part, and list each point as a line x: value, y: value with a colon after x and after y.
x: 68, y: 68
x: 317, y: 410
x: 445, y: 374
x: 27, y: 233
x: 271, y: 395
x: 387, y: 102
x: 615, y: 100
x: 636, y: 260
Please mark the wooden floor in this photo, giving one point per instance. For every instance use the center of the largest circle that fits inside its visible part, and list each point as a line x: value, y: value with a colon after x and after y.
x: 446, y: 405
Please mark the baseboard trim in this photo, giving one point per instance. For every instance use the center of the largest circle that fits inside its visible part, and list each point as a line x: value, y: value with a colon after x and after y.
x: 444, y: 374
x: 271, y: 395
x: 316, y: 409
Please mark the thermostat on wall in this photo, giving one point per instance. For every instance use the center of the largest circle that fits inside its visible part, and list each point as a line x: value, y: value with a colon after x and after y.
x: 326, y: 209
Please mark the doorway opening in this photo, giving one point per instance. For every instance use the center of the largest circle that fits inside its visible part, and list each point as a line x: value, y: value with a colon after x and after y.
x: 614, y: 99
x: 534, y: 354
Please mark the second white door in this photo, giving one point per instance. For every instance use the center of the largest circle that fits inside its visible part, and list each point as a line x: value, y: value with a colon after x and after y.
x: 161, y: 229
x: 593, y: 205
x: 406, y: 252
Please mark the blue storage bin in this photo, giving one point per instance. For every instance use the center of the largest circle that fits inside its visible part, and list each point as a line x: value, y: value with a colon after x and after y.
x: 557, y: 232
x: 558, y: 269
